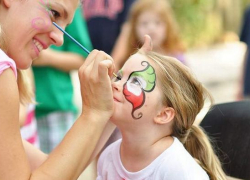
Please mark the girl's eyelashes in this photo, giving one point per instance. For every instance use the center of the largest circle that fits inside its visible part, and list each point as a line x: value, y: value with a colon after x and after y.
x: 117, y: 78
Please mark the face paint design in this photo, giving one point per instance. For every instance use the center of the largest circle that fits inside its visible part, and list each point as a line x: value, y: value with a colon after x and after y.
x: 137, y: 84
x: 39, y: 23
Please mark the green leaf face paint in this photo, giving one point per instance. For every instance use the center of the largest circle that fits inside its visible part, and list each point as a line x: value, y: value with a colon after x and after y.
x: 137, y: 84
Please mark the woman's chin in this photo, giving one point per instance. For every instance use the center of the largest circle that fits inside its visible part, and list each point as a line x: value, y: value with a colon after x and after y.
x: 24, y: 66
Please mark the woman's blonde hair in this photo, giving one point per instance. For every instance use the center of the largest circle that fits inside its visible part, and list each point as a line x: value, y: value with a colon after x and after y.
x: 2, y: 41
x: 186, y: 96
x: 24, y: 84
x: 172, y: 43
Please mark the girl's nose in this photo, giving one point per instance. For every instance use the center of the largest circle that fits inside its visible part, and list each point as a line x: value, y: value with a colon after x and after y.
x: 56, y: 37
x: 116, y: 86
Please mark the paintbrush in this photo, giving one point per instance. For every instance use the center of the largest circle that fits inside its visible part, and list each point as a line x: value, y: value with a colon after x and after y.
x: 81, y: 46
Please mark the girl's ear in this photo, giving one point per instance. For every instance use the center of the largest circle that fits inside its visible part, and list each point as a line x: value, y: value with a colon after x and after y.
x: 147, y: 46
x: 166, y: 115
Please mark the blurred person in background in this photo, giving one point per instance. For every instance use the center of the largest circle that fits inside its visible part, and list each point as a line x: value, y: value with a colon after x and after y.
x: 27, y: 119
x: 105, y: 19
x: 156, y: 19
x: 245, y: 37
x: 55, y: 109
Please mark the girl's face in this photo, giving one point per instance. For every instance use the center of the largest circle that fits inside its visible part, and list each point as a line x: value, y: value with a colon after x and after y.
x: 149, y: 22
x: 29, y: 28
x: 135, y: 91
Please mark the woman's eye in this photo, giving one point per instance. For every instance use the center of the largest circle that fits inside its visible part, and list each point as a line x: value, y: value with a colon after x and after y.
x: 54, y: 14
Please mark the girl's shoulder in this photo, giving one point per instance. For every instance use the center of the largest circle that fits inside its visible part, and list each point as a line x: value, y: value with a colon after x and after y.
x: 178, y: 163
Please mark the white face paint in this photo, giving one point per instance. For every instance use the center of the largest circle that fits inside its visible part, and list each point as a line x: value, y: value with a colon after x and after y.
x: 135, y: 85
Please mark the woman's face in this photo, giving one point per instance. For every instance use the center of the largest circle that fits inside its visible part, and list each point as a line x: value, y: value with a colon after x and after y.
x: 136, y: 94
x: 150, y: 23
x: 29, y: 29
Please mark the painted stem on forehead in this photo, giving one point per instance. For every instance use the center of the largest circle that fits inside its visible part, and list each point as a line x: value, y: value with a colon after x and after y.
x: 137, y: 100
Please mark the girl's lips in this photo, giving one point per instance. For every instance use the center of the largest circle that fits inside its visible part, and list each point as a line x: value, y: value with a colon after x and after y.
x: 116, y: 99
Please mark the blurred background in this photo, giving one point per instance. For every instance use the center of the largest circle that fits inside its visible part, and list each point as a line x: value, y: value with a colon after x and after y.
x: 210, y: 31
x: 205, y: 23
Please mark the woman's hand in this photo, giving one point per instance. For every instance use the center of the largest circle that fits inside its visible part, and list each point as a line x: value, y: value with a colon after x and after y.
x: 94, y: 75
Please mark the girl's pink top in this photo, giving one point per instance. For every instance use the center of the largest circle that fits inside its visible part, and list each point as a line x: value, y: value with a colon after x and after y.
x: 6, y: 62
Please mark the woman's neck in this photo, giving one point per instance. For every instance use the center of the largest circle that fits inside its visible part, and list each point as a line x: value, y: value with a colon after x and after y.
x: 138, y: 151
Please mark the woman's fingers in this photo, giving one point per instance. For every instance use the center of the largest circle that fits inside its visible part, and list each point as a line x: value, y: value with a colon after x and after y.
x: 106, y: 67
x: 90, y: 57
x: 102, y: 56
x: 95, y: 82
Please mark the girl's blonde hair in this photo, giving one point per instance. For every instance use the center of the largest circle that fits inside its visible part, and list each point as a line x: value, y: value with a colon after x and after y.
x: 186, y: 96
x: 172, y: 43
x: 25, y: 89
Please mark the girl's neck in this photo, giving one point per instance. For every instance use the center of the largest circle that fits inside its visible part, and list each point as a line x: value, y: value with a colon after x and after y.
x: 138, y: 152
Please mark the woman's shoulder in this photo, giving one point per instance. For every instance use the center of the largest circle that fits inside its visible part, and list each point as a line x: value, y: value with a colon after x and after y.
x: 6, y: 62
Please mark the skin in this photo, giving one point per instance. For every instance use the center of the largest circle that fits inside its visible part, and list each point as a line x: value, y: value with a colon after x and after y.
x: 139, y: 149
x: 20, y: 160
x: 64, y: 61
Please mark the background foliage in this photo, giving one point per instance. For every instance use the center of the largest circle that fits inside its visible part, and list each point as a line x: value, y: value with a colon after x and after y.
x: 204, y: 22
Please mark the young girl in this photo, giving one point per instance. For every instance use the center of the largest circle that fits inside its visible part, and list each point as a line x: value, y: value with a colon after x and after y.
x: 156, y: 19
x: 156, y: 101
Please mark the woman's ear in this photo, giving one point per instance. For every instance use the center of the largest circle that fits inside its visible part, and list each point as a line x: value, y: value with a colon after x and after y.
x: 165, y: 116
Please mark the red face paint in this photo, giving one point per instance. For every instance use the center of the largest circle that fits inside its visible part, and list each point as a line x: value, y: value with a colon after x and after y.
x: 136, y: 101
x: 137, y: 84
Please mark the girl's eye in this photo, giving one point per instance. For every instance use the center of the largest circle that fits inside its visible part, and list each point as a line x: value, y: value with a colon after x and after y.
x: 136, y: 81
x: 118, y: 78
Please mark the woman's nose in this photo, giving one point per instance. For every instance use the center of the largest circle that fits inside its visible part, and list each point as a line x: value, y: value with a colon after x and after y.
x: 56, y: 37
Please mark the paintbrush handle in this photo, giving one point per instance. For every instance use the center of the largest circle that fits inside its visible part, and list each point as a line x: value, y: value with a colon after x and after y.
x: 74, y: 40
x: 71, y: 38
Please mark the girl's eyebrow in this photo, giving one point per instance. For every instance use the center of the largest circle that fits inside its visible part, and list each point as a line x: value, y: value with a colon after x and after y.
x: 120, y: 73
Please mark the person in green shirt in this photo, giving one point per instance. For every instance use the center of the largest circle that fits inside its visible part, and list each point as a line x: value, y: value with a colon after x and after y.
x: 55, y: 109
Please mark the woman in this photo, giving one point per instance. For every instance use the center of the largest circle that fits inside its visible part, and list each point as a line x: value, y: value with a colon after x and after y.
x: 25, y: 30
